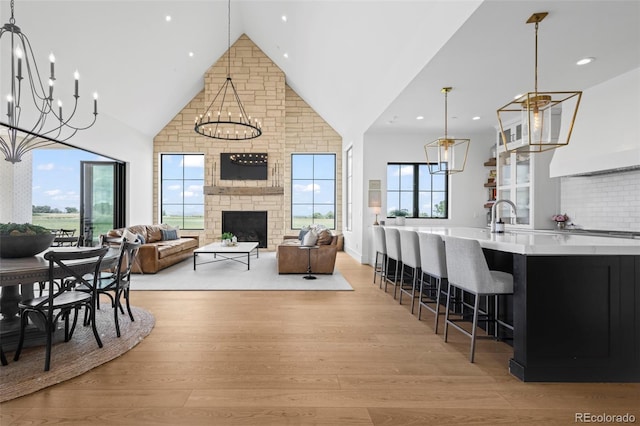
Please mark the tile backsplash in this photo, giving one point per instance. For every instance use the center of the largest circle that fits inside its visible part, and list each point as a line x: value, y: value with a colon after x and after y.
x: 607, y: 201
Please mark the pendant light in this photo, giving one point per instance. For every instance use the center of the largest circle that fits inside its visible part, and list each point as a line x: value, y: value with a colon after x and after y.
x: 225, y: 118
x: 547, y: 118
x: 446, y: 156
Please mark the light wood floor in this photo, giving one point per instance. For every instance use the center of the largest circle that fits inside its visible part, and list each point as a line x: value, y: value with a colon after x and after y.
x: 326, y: 358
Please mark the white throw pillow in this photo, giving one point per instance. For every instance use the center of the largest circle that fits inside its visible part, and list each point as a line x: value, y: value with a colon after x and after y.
x: 130, y: 236
x: 310, y: 238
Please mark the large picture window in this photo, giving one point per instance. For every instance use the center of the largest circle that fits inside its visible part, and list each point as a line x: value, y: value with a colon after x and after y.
x: 181, y: 194
x: 313, y: 190
x: 414, y: 192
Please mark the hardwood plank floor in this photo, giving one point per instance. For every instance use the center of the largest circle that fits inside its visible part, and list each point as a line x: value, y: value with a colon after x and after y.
x: 307, y: 358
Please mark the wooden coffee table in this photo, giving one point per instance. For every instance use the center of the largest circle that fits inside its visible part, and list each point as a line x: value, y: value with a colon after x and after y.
x: 220, y: 253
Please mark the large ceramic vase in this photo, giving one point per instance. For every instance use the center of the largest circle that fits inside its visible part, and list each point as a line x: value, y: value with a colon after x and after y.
x: 24, y: 245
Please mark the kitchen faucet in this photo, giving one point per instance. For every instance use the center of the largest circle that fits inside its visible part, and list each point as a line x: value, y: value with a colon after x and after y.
x: 493, y: 212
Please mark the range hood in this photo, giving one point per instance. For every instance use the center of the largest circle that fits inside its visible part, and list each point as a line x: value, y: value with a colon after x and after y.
x: 606, y: 135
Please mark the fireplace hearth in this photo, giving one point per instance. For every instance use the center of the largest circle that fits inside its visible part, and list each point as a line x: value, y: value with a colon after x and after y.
x: 246, y: 225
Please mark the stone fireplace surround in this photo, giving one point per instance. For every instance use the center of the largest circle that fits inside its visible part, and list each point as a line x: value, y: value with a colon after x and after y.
x: 289, y: 126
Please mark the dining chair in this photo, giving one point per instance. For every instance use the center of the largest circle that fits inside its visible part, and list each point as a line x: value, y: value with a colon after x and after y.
x: 116, y: 285
x: 79, y: 267
x: 468, y: 270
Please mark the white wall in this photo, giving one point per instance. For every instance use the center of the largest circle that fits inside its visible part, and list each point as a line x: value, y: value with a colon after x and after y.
x: 604, y: 202
x: 467, y: 193
x: 606, y: 134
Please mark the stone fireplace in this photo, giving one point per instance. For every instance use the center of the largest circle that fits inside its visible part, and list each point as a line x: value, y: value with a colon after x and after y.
x: 289, y: 125
x: 246, y: 225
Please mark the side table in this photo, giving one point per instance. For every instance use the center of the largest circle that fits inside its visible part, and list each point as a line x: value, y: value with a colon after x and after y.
x: 309, y: 248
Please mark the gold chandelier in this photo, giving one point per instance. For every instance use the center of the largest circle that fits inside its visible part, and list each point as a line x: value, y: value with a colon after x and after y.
x: 225, y: 118
x: 446, y: 156
x: 547, y: 118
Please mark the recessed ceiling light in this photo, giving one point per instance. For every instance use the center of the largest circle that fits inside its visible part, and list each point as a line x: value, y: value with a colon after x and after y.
x: 191, y: 54
x: 286, y: 55
x: 477, y: 117
x: 284, y: 18
x: 585, y: 61
x: 167, y: 18
x: 420, y: 117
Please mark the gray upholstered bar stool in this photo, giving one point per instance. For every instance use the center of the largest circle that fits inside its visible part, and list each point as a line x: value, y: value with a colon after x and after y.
x: 468, y: 270
x: 410, y: 260
x: 394, y: 253
x: 380, y: 245
x: 434, y: 265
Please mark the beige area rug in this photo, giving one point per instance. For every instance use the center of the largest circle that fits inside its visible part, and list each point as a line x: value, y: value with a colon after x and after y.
x: 27, y: 375
x: 230, y: 275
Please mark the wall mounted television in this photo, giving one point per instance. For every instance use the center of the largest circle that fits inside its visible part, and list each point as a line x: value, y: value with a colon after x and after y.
x: 244, y: 166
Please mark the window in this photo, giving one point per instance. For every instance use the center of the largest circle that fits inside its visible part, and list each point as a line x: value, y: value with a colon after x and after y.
x: 181, y: 195
x: 349, y: 218
x: 414, y: 192
x: 313, y: 190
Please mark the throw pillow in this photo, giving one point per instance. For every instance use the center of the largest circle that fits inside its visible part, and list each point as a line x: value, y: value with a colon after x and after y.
x: 310, y: 239
x: 302, y: 233
x: 324, y: 237
x: 169, y: 234
x: 141, y: 239
x: 129, y: 236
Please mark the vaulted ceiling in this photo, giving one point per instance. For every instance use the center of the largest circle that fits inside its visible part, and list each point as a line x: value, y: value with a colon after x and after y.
x: 362, y: 65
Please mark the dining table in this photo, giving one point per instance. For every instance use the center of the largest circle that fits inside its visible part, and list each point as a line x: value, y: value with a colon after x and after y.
x: 17, y: 279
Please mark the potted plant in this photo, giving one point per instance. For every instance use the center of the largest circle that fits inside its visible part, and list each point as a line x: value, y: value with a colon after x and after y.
x: 400, y: 216
x: 560, y: 220
x: 23, y: 240
x: 227, y: 237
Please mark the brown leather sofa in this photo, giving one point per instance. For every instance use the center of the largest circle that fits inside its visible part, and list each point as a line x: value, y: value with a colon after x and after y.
x: 157, y: 253
x: 294, y: 260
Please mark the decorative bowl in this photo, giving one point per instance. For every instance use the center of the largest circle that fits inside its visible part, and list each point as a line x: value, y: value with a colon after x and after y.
x: 24, y: 245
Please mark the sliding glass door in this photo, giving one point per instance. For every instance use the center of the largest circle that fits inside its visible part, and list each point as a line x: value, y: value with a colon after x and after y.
x: 102, y: 201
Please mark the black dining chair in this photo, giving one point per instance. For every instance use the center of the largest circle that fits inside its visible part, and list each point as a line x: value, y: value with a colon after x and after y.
x: 116, y: 285
x: 65, y: 268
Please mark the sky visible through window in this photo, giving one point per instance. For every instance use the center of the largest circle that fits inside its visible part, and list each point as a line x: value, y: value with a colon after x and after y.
x: 56, y: 177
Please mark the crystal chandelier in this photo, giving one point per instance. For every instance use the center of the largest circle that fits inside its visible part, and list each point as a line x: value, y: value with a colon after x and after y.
x: 547, y: 118
x: 225, y: 118
x: 446, y: 156
x: 50, y: 125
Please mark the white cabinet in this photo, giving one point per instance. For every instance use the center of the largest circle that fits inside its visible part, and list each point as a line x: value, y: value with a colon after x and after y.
x: 523, y: 178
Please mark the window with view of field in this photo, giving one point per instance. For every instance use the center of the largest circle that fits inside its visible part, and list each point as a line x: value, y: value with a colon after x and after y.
x: 181, y: 193
x: 55, y: 193
x: 313, y: 190
x: 414, y: 192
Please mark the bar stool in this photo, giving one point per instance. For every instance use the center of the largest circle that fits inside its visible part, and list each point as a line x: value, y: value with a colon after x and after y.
x: 410, y: 259
x: 380, y: 246
x: 394, y: 252
x: 468, y: 270
x: 433, y: 264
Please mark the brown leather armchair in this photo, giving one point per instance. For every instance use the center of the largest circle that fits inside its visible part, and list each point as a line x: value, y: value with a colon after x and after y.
x: 294, y: 260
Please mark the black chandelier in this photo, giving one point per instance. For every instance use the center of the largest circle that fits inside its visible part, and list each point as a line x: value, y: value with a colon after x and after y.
x: 50, y: 125
x: 225, y: 118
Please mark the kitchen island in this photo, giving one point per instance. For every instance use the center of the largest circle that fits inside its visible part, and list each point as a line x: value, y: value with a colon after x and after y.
x: 576, y: 302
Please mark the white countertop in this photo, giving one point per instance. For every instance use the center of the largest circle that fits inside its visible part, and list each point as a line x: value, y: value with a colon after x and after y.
x: 542, y: 243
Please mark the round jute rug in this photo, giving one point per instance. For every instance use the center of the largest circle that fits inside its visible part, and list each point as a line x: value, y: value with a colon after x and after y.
x: 75, y: 357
